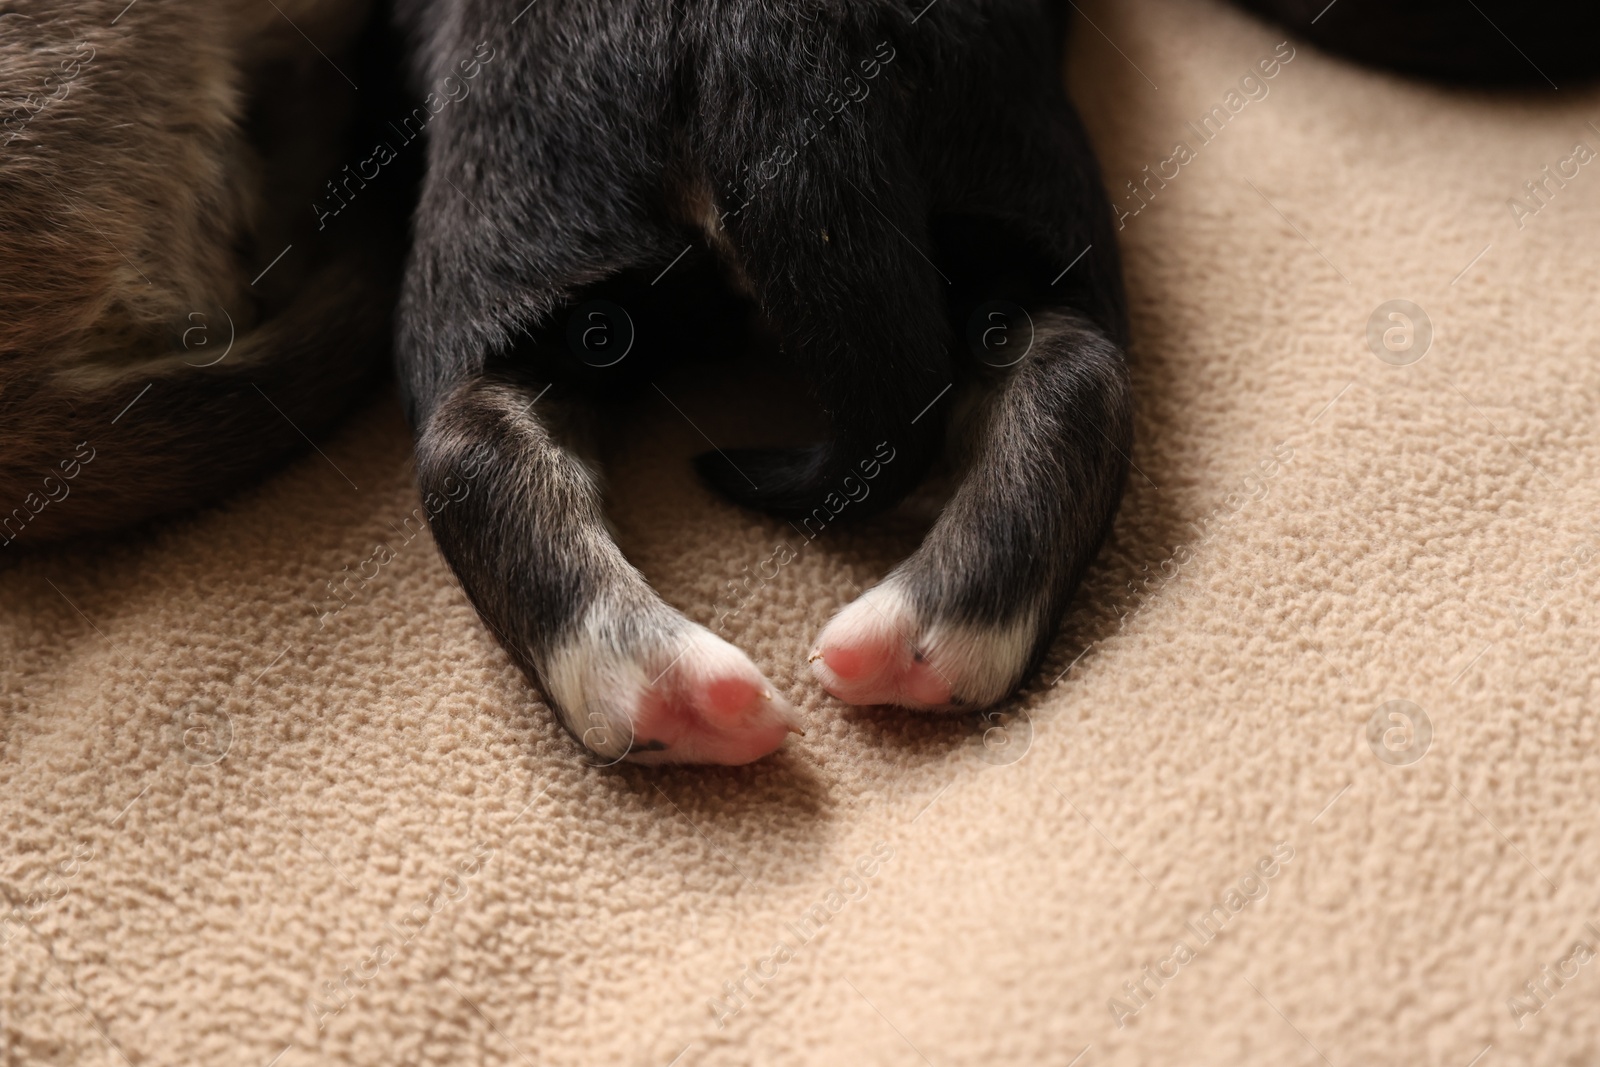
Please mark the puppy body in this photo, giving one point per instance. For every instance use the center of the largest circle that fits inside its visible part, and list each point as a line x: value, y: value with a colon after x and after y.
x: 875, y: 179
x: 173, y: 320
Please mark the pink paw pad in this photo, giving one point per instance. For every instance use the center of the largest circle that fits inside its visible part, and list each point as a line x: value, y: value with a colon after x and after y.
x: 859, y: 661
x: 727, y: 697
x: 869, y: 655
x: 879, y: 650
x: 880, y: 673
x: 695, y: 699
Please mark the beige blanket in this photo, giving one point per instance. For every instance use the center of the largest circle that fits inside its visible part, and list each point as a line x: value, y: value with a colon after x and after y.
x: 1310, y: 776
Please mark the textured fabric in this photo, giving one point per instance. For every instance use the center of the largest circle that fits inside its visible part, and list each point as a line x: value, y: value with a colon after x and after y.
x: 242, y: 822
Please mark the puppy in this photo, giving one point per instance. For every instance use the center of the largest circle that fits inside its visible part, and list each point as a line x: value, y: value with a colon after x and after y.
x: 868, y: 176
x: 875, y: 182
x: 175, y: 317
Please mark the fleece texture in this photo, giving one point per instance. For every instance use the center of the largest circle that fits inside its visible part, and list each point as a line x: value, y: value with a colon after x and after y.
x: 1317, y: 745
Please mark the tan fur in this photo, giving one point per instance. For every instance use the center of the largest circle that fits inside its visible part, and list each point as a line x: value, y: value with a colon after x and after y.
x: 133, y: 206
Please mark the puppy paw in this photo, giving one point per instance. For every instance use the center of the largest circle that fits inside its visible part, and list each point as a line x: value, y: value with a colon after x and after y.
x: 883, y: 649
x: 677, y: 695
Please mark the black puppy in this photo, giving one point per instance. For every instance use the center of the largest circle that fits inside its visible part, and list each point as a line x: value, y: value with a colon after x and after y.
x: 871, y: 176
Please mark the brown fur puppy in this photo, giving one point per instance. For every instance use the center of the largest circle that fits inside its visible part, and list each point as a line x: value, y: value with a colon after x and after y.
x: 171, y: 320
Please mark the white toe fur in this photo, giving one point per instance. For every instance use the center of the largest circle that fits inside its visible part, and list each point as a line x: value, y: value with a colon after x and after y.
x: 979, y: 664
x: 642, y: 697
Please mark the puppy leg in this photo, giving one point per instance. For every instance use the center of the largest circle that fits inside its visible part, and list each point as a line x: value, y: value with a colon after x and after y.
x: 960, y: 623
x: 519, y: 519
x: 963, y: 621
x: 504, y: 250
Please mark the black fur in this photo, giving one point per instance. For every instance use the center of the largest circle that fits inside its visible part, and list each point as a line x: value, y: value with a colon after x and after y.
x: 877, y: 171
x: 1480, y: 42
